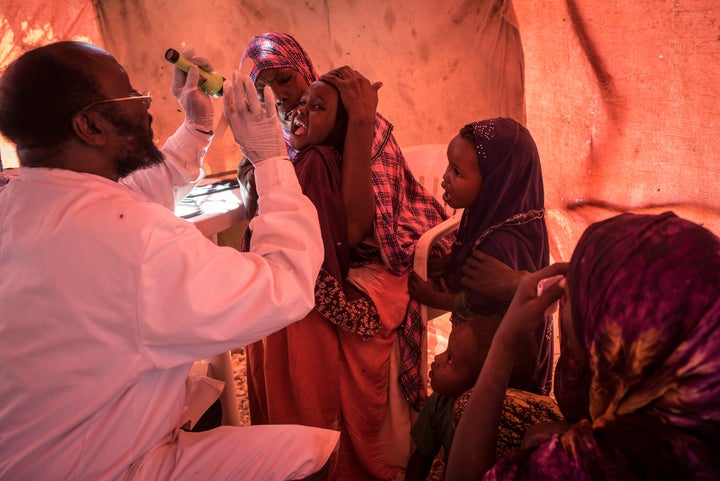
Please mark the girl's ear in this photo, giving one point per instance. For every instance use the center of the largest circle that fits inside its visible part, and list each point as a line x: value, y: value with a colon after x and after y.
x: 89, y: 127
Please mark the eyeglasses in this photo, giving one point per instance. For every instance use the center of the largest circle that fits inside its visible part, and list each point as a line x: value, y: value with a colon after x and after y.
x: 145, y: 96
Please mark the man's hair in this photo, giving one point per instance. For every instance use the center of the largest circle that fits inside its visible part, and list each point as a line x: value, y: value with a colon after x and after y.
x: 41, y: 90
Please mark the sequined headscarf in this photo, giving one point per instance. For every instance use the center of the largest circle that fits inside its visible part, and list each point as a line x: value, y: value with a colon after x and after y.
x: 645, y: 300
x: 511, y: 199
x: 507, y: 222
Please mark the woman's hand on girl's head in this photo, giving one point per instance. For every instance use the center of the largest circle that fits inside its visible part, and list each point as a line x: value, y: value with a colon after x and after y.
x: 359, y: 96
x: 527, y: 309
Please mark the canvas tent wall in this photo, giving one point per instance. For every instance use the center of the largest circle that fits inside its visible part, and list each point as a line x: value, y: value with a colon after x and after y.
x: 622, y: 98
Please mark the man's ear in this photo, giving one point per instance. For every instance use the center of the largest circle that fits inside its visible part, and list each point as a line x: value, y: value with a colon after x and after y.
x: 90, y: 127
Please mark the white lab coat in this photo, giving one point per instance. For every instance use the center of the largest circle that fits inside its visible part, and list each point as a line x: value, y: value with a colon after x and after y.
x: 107, y: 298
x: 169, y: 182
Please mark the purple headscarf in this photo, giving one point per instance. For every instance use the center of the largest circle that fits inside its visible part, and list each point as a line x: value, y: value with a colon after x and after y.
x: 279, y: 50
x: 645, y: 300
x: 507, y: 220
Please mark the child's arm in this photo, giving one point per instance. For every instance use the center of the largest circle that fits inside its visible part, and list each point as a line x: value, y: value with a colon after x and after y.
x: 418, y: 467
x: 438, y: 266
x: 428, y: 293
x: 360, y: 99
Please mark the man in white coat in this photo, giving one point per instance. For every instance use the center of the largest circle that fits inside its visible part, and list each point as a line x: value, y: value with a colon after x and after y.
x: 108, y: 298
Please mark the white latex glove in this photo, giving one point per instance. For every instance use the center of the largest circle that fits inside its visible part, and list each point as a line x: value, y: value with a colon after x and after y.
x: 196, y: 104
x: 254, y: 124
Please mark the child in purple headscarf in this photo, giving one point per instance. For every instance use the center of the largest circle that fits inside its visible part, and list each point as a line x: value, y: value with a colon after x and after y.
x: 641, y: 323
x: 494, y: 174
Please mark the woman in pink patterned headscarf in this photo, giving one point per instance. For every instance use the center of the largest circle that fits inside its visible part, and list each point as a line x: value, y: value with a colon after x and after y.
x: 350, y: 383
x: 642, y: 326
x: 404, y: 209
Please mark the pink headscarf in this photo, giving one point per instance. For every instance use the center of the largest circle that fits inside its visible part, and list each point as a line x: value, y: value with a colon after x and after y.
x: 278, y: 50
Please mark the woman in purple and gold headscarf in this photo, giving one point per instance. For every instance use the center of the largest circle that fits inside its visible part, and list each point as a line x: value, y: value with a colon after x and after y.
x: 353, y: 384
x: 642, y: 326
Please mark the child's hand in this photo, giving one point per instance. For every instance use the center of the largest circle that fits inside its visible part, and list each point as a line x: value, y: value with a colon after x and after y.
x: 437, y: 266
x: 420, y: 290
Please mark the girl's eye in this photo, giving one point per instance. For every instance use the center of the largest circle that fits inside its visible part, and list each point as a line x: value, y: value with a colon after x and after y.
x: 457, y: 173
x: 283, y: 80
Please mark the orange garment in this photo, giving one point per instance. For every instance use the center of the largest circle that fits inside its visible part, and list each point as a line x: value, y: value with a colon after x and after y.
x: 316, y: 374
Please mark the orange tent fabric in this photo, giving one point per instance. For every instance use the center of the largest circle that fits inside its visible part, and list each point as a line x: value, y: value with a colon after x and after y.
x: 624, y: 103
x: 623, y: 100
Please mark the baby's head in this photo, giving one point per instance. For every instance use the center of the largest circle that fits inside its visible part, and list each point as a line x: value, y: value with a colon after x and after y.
x: 320, y: 118
x: 455, y: 371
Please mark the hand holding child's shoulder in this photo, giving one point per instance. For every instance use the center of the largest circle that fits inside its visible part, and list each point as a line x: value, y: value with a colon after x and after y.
x: 487, y: 275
